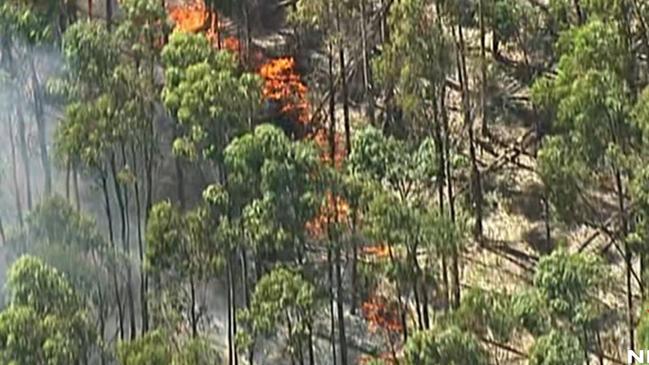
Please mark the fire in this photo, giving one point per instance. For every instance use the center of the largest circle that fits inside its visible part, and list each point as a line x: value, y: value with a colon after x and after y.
x: 283, y: 85
x: 378, y: 251
x: 189, y: 17
x: 334, y: 209
x: 381, y: 314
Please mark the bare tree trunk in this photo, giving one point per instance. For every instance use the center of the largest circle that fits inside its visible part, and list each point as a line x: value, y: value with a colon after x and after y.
x: 125, y: 241
x: 367, y: 72
x: 140, y: 244
x: 39, y: 112
x: 628, y: 258
x: 193, y: 315
x: 24, y: 156
x: 339, y: 302
x: 14, y: 172
x: 113, y: 265
x: 75, y: 185
x: 483, y: 71
x: 332, y: 314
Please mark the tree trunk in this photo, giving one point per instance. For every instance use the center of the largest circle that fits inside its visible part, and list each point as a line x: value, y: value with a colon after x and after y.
x: 345, y: 91
x: 113, y: 266
x: 193, y: 316
x: 476, y: 190
x: 181, y: 183
x: 246, y: 297
x: 628, y: 258
x: 75, y: 186
x: 68, y: 169
x: 24, y: 155
x: 233, y: 305
x: 339, y: 301
x: 109, y: 14
x: 483, y: 71
x: 39, y: 112
x: 367, y: 72
x: 14, y: 173
x: 140, y: 244
x: 332, y: 315
x: 125, y: 241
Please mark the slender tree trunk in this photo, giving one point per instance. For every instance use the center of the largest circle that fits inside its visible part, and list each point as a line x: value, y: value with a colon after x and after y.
x: 109, y: 14
x: 578, y: 12
x: 483, y: 71
x: 3, y: 238
x: 68, y: 169
x: 628, y: 258
x: 344, y: 88
x: 311, y: 353
x: 14, y: 172
x: 181, y: 183
x: 332, y: 315
x: 125, y: 242
x: 231, y: 351
x: 75, y: 186
x: 451, y: 197
x: 468, y: 121
x: 140, y: 244
x: 24, y: 155
x: 39, y: 112
x: 246, y: 297
x: 113, y: 265
x: 367, y: 76
x: 233, y: 305
x: 354, y: 278
x: 193, y: 316
x: 340, y: 311
x: 90, y: 9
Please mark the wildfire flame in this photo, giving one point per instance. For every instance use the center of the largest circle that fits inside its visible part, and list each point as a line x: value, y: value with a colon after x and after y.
x: 382, y: 314
x: 189, y: 17
x: 282, y: 84
x: 378, y: 251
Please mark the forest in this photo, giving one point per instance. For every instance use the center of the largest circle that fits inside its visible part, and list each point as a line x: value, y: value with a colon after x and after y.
x: 324, y: 182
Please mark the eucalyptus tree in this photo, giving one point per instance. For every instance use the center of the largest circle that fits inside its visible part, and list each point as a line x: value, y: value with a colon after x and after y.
x: 461, y: 16
x: 444, y: 346
x: 140, y: 34
x: 589, y: 103
x: 570, y: 285
x: 46, y: 321
x: 20, y: 24
x: 556, y: 348
x: 208, y: 95
x: 181, y: 254
x: 89, y: 131
x: 283, y: 299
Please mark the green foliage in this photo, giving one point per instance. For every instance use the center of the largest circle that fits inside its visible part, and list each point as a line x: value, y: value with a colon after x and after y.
x: 556, y: 348
x: 45, y: 322
x: 486, y: 313
x: 211, y: 99
x: 416, y: 63
x: 151, y: 349
x: 449, y: 346
x: 279, y: 296
x: 570, y: 284
x: 528, y: 309
x: 564, y: 174
x: 90, y: 54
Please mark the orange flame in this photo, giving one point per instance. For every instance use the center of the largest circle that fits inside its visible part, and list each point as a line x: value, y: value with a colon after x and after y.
x: 381, y: 314
x: 189, y: 17
x: 283, y: 85
x: 334, y: 209
x: 379, y: 251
